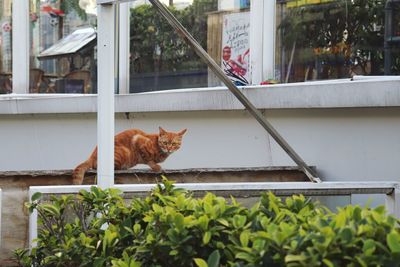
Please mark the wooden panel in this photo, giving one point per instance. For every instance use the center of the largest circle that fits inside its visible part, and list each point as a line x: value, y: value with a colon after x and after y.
x: 214, y: 42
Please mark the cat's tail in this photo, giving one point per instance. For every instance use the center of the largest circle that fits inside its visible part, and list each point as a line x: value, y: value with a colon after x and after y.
x: 79, y: 172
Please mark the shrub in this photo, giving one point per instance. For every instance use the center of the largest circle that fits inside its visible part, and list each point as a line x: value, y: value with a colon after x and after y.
x: 172, y: 228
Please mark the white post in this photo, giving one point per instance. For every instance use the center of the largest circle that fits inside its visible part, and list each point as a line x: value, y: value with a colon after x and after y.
x: 106, y: 87
x: 1, y: 210
x: 20, y: 46
x: 33, y: 228
x: 124, y: 46
x: 262, y: 40
x: 393, y: 203
x: 269, y: 39
x: 256, y: 35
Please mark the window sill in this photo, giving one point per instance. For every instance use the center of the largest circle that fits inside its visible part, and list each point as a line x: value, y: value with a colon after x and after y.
x: 367, y: 92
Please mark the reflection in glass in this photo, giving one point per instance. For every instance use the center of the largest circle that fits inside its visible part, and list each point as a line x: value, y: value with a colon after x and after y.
x: 161, y: 60
x: 329, y: 39
x: 5, y: 47
x: 59, y: 62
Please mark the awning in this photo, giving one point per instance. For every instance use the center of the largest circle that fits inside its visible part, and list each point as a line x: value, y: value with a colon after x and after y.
x: 76, y: 42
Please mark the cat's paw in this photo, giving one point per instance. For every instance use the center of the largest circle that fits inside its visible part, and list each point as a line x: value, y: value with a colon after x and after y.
x: 77, y: 181
x: 156, y: 168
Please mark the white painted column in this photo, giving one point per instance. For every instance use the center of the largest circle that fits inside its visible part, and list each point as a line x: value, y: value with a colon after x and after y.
x: 393, y: 203
x: 269, y: 38
x: 256, y: 35
x: 124, y: 46
x: 106, y: 87
x: 20, y: 46
x: 1, y: 209
x: 262, y: 40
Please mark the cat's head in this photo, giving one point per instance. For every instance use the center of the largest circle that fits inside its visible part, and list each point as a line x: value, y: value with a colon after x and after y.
x: 170, y: 141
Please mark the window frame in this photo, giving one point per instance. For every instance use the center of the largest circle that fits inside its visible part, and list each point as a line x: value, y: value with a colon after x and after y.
x: 262, y: 17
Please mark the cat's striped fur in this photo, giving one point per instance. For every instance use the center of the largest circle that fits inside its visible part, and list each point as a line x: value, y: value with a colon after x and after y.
x: 132, y: 147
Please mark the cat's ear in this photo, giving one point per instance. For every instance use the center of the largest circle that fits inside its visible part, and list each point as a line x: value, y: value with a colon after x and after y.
x: 162, y: 131
x: 182, y: 132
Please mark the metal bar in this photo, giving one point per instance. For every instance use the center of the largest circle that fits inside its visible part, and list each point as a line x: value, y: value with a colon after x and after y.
x: 239, y: 95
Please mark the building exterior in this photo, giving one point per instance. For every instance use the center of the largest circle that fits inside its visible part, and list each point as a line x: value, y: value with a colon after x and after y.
x: 329, y: 100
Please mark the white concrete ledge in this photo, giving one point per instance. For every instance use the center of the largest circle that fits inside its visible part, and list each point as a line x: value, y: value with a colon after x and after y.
x: 362, y: 92
x: 286, y: 188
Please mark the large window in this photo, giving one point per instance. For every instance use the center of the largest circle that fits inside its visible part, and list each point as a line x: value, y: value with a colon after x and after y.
x: 5, y: 47
x: 160, y: 59
x: 63, y: 39
x: 314, y: 40
x: 330, y: 39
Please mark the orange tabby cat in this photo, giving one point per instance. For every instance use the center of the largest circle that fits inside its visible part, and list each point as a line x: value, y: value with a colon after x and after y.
x: 132, y: 147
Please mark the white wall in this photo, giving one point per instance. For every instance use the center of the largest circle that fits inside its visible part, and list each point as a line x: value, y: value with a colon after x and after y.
x: 344, y: 143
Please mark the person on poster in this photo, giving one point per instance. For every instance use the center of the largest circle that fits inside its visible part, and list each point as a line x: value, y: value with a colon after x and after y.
x: 236, y: 69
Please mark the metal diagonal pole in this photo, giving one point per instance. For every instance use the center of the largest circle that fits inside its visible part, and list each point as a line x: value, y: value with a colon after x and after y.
x: 239, y: 95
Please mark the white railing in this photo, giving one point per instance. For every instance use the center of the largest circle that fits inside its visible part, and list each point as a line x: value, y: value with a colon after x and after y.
x: 390, y: 189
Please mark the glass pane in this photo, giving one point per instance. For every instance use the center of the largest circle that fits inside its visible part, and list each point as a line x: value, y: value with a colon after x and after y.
x: 331, y: 39
x: 5, y: 47
x: 161, y: 60
x: 63, y: 40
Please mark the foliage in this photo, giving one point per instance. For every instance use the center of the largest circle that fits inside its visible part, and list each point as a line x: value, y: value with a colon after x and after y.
x: 156, y: 47
x: 172, y: 228
x: 350, y: 33
x: 73, y: 5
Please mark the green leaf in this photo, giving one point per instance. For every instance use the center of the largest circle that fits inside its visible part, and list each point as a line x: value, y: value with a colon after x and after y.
x: 357, y: 214
x: 223, y: 222
x: 244, y: 238
x: 341, y: 219
x: 51, y: 209
x: 213, y: 259
x: 369, y: 247
x: 135, y: 264
x: 99, y: 262
x: 206, y: 237
x: 203, y: 222
x: 136, y: 228
x: 346, y: 235
x: 328, y: 263
x: 244, y: 256
x: 36, y: 196
x: 239, y: 221
x: 393, y: 241
x: 173, y: 252
x: 200, y: 262
x: 295, y: 258
x: 361, y: 262
x: 157, y: 208
x: 179, y: 221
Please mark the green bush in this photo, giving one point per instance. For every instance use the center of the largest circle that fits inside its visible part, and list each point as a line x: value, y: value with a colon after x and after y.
x: 172, y: 228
